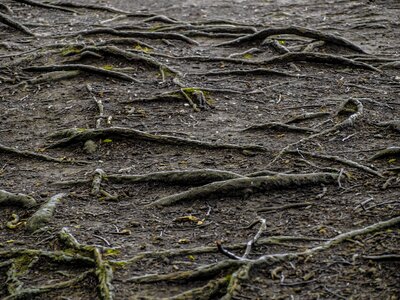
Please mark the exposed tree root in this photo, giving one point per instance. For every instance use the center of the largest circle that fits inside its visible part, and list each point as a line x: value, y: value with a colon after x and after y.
x: 84, y: 68
x: 50, y: 77
x: 115, y: 51
x: 283, y: 207
x: 133, y: 34
x: 195, y: 177
x: 239, y: 268
x: 76, y: 136
x: 11, y: 199
x: 44, y: 5
x: 311, y: 57
x: 88, y: 6
x: 388, y: 152
x: 318, y: 58
x: 29, y: 293
x: 7, y: 20
x: 44, y: 214
x: 336, y: 159
x: 30, y: 154
x: 300, y: 31
x: 277, y: 126
x: 258, y: 71
x: 307, y: 116
x: 246, y: 186
x: 98, y: 176
x: 199, y: 273
x: 394, y: 125
x: 356, y: 108
x: 103, y: 270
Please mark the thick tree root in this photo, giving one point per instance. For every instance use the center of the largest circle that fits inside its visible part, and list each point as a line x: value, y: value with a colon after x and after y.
x: 77, y: 136
x: 246, y: 186
x: 300, y: 31
x: 133, y: 34
x: 338, y: 159
x: 10, y: 199
x: 258, y: 71
x: 50, y: 77
x: 88, y: 6
x: 103, y: 270
x: 311, y: 57
x: 199, y: 273
x: 240, y: 267
x: 29, y: 293
x: 277, y: 126
x: 195, y: 177
x: 388, y: 152
x: 83, y: 68
x: 349, y: 121
x: 30, y: 154
x: 129, y: 56
x: 307, y: 116
x: 394, y: 125
x: 7, y: 20
x: 44, y: 214
x: 44, y: 5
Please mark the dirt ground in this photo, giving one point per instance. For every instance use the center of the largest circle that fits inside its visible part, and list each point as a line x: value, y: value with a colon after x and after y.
x: 199, y: 149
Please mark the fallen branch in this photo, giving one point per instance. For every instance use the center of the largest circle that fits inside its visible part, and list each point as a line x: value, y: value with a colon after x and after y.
x: 11, y: 199
x: 246, y: 186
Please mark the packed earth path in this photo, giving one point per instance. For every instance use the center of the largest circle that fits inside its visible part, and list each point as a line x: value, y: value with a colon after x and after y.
x: 199, y: 149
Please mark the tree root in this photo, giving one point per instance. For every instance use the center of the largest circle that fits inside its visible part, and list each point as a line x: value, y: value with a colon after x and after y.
x: 311, y: 57
x: 307, y: 116
x: 134, y: 34
x: 246, y: 186
x: 349, y: 121
x: 77, y: 135
x: 7, y: 199
x: 50, y: 77
x: 7, y: 20
x: 240, y: 267
x: 84, y: 68
x: 394, y: 125
x: 29, y: 293
x: 258, y: 71
x: 103, y: 270
x: 115, y: 51
x: 44, y: 214
x: 199, y: 273
x: 195, y: 177
x: 43, y: 5
x: 277, y: 126
x: 388, y: 152
x: 300, y: 31
x: 336, y: 159
x: 98, y: 176
x: 30, y: 154
x: 88, y: 6
x: 318, y: 58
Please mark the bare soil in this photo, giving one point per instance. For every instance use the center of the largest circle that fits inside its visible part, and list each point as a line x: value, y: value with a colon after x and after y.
x: 272, y: 161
